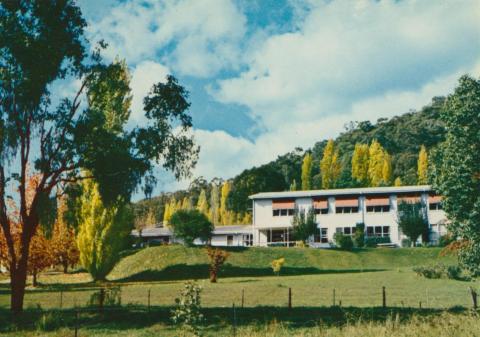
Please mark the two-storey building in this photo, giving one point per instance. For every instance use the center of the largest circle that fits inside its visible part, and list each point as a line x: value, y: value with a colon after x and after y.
x: 340, y: 210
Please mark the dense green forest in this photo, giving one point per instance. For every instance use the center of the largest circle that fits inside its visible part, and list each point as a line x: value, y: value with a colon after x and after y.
x: 382, y: 153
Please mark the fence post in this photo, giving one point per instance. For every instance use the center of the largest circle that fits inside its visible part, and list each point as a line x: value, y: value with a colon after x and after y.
x: 384, y: 298
x: 474, y: 298
x: 243, y: 297
x: 61, y: 298
x: 76, y: 322
x: 289, y: 298
x: 420, y: 304
x: 101, y: 300
x: 148, y: 305
x: 234, y: 320
x: 333, y: 296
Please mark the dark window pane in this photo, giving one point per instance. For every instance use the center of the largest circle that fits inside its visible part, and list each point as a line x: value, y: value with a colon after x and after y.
x: 346, y: 230
x: 370, y: 230
x: 378, y: 230
x: 283, y: 212
x: 386, y: 229
x: 276, y: 212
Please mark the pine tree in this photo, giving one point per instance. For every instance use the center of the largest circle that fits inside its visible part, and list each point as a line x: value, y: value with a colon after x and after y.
x: 360, y: 164
x: 422, y: 166
x: 202, y: 204
x: 307, y: 172
x: 330, y: 165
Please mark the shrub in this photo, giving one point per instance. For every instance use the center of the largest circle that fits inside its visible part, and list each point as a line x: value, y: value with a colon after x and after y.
x: 406, y: 243
x: 277, y: 265
x: 188, y: 308
x: 359, y: 236
x: 343, y: 241
x: 107, y: 296
x: 49, y: 321
x: 445, y: 240
x: 217, y: 258
x: 373, y: 241
x: 439, y: 270
x: 190, y: 225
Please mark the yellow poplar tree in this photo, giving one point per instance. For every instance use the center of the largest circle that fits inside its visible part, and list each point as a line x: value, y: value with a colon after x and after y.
x: 398, y: 182
x: 186, y: 203
x: 360, y: 163
x: 375, y: 163
x: 422, y: 166
x: 103, y: 231
x: 307, y: 172
x: 214, y: 213
x: 387, y: 169
x: 202, y: 204
x: 330, y: 165
x: 227, y: 216
x: 166, y: 213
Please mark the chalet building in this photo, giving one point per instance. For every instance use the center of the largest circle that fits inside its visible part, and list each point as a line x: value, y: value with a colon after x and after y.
x: 340, y: 210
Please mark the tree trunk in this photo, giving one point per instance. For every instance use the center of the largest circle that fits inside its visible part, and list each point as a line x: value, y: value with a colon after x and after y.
x: 18, y: 280
x: 65, y: 267
x: 34, y: 278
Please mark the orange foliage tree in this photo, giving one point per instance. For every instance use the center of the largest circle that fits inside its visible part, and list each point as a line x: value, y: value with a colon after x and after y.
x: 63, y: 243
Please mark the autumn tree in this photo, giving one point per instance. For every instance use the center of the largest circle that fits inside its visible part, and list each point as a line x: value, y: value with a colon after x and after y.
x: 360, y: 164
x: 227, y: 216
x: 330, y: 165
x: 397, y: 182
x: 379, y: 165
x: 422, y: 166
x: 217, y: 258
x: 63, y: 243
x: 202, y: 203
x: 214, y: 212
x: 42, y: 43
x: 102, y: 230
x: 307, y: 172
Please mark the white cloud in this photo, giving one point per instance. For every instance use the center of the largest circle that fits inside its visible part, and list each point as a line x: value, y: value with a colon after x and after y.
x: 197, y: 38
x: 346, y: 52
x: 144, y: 76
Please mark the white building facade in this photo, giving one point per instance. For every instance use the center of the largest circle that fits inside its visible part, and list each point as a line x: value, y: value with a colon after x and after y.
x: 340, y: 210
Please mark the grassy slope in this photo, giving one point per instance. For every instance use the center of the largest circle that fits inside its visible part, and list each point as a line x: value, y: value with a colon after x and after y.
x: 178, y: 261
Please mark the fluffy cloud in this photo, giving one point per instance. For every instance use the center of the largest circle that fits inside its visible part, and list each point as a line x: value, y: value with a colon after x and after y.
x: 197, y: 38
x: 345, y: 52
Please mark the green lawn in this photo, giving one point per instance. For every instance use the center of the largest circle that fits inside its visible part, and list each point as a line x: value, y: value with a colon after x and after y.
x: 313, y: 275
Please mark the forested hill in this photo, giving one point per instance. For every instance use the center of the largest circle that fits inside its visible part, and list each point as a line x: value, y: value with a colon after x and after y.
x: 389, y: 149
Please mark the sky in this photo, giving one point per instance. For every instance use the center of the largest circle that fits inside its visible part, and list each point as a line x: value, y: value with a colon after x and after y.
x: 266, y: 76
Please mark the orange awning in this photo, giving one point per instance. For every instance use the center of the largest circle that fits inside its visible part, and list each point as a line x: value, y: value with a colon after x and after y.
x: 434, y: 199
x: 411, y: 199
x: 320, y: 204
x: 378, y: 201
x: 283, y: 204
x: 350, y: 202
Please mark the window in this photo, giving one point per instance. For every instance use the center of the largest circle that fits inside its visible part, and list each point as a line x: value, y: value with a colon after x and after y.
x: 321, y: 211
x: 346, y: 230
x: 283, y: 212
x: 229, y: 240
x: 379, y: 231
x: 378, y: 209
x: 321, y: 236
x: 346, y: 209
x: 248, y: 240
x: 435, y: 206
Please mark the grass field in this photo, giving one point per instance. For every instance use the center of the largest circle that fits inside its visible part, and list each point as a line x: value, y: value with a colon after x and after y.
x: 313, y: 275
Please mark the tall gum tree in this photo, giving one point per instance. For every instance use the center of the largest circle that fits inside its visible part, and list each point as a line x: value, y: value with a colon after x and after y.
x: 42, y: 42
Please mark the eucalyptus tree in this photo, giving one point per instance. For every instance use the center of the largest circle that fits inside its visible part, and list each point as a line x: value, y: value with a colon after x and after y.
x: 42, y: 43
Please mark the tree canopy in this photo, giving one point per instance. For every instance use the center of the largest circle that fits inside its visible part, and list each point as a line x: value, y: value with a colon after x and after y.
x: 190, y: 225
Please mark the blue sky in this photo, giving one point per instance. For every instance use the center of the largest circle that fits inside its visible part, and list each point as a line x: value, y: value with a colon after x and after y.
x: 267, y: 76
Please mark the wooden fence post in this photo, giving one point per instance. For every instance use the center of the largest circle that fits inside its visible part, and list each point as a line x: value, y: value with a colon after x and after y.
x: 384, y: 298
x: 148, y: 302
x: 234, y: 320
x: 289, y: 298
x: 61, y: 298
x: 333, y: 296
x: 76, y: 323
x: 474, y: 298
x: 101, y: 300
x: 420, y: 304
x: 243, y: 297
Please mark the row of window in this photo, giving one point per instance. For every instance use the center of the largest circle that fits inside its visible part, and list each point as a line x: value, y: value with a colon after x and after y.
x: 371, y: 231
x: 346, y: 210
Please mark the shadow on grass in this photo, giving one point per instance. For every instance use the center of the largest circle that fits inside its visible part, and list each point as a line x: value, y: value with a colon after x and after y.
x: 200, y: 271
x: 138, y: 317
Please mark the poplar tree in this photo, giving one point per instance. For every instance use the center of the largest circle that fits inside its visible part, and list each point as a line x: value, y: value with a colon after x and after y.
x: 422, y: 165
x: 330, y: 165
x: 202, y: 203
x: 187, y: 203
x: 360, y: 164
x: 293, y: 185
x: 102, y: 230
x: 166, y: 213
x: 387, y: 169
x: 307, y: 172
x: 214, y: 213
x: 398, y: 182
x: 227, y: 216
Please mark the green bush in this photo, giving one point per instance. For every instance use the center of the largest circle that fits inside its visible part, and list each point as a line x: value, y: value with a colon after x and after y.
x: 445, y: 240
x: 49, y: 321
x: 373, y: 241
x: 439, y: 270
x: 359, y: 236
x: 343, y: 241
x: 406, y: 243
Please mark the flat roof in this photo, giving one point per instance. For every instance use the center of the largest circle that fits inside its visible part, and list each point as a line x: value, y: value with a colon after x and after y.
x: 219, y: 230
x: 343, y: 191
